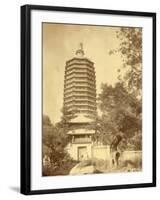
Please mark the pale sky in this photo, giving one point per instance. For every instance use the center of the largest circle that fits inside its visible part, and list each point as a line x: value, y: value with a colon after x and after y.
x: 60, y: 43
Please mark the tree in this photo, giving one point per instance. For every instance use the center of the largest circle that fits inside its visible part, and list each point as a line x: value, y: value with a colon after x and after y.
x: 120, y: 113
x: 54, y: 141
x: 127, y: 115
x: 48, y: 131
x: 67, y: 115
x: 130, y: 49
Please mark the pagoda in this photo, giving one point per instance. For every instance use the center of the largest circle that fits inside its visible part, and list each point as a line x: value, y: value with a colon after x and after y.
x: 80, y: 103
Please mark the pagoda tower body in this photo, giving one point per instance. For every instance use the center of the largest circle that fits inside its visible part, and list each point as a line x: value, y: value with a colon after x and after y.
x: 80, y: 104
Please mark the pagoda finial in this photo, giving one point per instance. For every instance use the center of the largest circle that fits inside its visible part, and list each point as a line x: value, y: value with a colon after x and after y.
x: 80, y: 52
x: 81, y: 45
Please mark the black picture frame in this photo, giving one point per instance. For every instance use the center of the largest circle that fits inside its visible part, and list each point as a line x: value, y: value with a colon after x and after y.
x: 26, y: 98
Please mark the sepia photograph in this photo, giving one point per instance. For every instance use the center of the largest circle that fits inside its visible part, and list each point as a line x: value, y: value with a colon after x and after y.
x: 92, y: 99
x: 88, y: 103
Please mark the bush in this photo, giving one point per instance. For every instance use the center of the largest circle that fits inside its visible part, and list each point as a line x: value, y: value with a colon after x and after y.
x: 58, y: 162
x: 62, y: 168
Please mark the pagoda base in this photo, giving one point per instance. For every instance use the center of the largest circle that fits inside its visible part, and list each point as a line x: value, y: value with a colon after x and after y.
x: 80, y: 151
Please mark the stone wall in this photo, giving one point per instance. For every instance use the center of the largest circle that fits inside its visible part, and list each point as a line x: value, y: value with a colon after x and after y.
x: 131, y: 155
x: 101, y: 152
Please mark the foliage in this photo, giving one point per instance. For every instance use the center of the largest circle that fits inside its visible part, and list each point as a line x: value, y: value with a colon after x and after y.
x: 123, y: 103
x: 130, y: 49
x: 54, y: 143
x: 66, y: 117
x: 53, y: 135
x: 63, y: 169
x: 121, y: 115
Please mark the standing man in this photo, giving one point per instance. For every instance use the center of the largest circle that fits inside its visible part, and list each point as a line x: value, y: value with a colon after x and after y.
x: 114, y: 149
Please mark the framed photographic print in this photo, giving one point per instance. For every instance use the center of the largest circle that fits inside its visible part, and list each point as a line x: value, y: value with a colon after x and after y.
x: 88, y: 99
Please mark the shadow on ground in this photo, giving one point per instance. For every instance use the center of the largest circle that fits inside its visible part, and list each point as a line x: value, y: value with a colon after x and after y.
x: 14, y: 188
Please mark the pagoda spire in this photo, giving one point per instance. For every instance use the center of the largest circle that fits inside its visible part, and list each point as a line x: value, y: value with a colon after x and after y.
x: 80, y: 51
x: 81, y: 45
